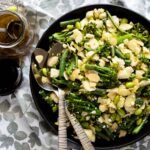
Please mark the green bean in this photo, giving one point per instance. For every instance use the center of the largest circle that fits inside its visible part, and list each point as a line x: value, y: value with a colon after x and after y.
x: 68, y: 84
x: 109, y: 133
x: 129, y: 85
x: 138, y: 112
x: 121, y: 112
x: 129, y: 36
x: 116, y: 99
x: 127, y: 62
x: 72, y: 65
x: 73, y: 95
x: 76, y: 60
x: 63, y: 63
x: 68, y: 22
x: 105, y: 72
x: 100, y: 135
x: 83, y: 103
x: 113, y: 52
x: 78, y: 25
x: 44, y: 71
x: 97, y: 92
x: 70, y: 27
x: 119, y: 53
x: 139, y: 121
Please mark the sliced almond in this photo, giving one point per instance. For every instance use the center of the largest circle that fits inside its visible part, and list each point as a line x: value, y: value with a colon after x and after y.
x: 122, y: 133
x: 74, y: 75
x: 92, y: 76
x: 90, y: 134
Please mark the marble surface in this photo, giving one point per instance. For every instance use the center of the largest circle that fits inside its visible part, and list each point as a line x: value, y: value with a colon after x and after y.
x: 21, y: 126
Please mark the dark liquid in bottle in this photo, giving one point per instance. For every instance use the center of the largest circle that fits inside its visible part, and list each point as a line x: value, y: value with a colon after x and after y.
x: 11, y: 23
x: 15, y: 41
x: 8, y: 76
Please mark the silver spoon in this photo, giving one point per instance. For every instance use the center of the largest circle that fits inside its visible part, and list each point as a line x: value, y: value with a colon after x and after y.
x: 11, y: 27
x: 63, y: 110
x: 62, y: 128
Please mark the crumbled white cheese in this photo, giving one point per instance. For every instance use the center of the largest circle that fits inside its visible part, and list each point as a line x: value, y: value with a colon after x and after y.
x: 77, y: 36
x: 52, y: 61
x: 125, y: 73
x: 54, y: 73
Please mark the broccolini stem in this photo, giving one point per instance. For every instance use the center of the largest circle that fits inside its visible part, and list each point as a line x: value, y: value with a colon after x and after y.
x: 121, y: 38
x: 97, y: 92
x: 110, y: 17
x: 105, y: 72
x: 86, y: 60
x: 109, y: 133
x: 69, y: 22
x: 121, y: 55
x: 138, y: 128
x: 61, y: 36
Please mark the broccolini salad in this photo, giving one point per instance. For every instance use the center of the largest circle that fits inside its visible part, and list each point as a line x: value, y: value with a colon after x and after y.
x: 104, y: 68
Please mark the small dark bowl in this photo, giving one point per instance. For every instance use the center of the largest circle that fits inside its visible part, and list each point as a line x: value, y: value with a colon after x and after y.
x: 43, y: 107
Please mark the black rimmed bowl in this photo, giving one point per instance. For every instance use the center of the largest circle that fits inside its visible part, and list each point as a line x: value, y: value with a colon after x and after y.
x: 43, y: 107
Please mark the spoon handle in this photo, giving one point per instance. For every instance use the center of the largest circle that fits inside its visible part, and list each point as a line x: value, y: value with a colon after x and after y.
x: 62, y: 128
x: 86, y: 143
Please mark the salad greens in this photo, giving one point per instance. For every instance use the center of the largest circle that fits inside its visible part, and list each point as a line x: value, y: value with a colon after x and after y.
x: 104, y: 68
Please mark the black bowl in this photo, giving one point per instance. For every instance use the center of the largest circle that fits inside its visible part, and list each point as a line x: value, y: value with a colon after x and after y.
x: 43, y: 107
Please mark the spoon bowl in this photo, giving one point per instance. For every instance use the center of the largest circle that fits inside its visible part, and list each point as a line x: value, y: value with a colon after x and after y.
x: 10, y: 29
x: 62, y: 128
